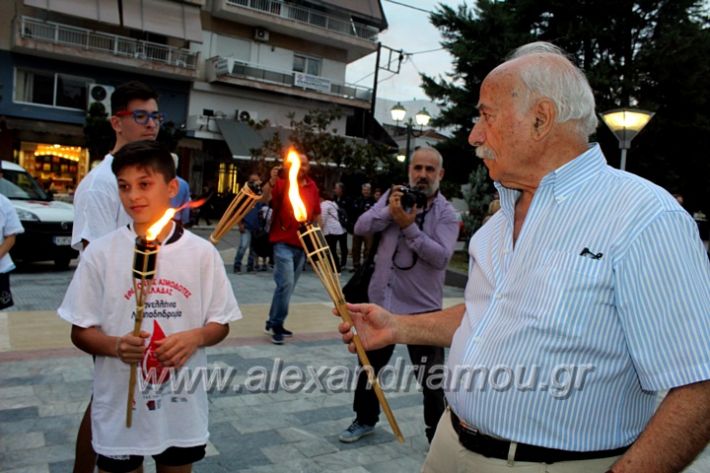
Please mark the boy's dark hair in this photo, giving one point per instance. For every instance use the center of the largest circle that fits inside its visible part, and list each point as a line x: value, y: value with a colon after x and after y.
x: 145, y: 155
x: 132, y: 90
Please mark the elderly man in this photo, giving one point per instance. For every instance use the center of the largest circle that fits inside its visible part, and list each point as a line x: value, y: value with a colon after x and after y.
x: 415, y: 248
x: 588, y: 293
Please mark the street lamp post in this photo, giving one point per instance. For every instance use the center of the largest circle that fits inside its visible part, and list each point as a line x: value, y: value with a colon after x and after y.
x: 626, y: 123
x: 422, y: 118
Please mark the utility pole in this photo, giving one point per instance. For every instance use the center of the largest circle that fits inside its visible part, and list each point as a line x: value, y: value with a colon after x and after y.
x: 393, y: 55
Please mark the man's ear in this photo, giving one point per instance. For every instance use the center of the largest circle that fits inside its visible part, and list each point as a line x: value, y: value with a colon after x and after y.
x: 173, y: 187
x: 115, y: 123
x: 544, y: 116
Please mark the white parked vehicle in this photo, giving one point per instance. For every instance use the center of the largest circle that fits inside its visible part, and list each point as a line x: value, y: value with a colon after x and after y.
x: 48, y: 223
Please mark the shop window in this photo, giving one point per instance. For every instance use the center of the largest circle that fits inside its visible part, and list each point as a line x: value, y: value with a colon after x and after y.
x: 306, y: 64
x: 53, y: 89
x: 227, y: 178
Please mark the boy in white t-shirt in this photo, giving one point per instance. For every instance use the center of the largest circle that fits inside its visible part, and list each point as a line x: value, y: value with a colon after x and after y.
x: 189, y: 306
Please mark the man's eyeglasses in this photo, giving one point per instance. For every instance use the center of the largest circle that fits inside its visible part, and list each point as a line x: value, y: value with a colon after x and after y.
x: 141, y: 117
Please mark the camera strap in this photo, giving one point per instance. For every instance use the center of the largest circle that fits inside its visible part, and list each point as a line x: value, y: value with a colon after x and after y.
x: 419, y: 220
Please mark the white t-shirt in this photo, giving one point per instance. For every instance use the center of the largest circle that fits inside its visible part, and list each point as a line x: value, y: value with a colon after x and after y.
x: 10, y: 225
x: 190, y: 289
x: 97, y: 207
x: 329, y: 214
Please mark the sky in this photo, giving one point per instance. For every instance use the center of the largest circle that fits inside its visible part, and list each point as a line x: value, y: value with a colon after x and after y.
x: 410, y: 30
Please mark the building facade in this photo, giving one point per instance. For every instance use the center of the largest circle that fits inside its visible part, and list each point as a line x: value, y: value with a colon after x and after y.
x: 217, y: 65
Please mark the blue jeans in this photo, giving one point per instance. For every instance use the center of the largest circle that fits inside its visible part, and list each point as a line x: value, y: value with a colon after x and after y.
x: 288, y: 264
x: 244, y: 245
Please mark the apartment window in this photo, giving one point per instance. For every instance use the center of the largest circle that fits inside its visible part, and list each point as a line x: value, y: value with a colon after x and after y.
x: 306, y: 64
x: 50, y: 88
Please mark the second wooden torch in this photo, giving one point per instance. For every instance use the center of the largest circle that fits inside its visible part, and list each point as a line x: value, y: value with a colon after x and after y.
x: 321, y: 259
x: 242, y: 203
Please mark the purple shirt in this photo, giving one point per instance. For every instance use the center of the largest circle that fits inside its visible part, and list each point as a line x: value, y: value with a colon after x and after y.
x: 396, y: 285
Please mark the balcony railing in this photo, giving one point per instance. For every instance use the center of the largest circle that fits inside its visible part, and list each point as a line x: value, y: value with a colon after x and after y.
x: 310, y: 17
x: 65, y: 35
x: 231, y: 67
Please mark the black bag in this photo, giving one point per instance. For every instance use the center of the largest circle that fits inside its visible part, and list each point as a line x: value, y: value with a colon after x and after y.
x: 342, y: 217
x: 5, y: 294
x: 355, y: 290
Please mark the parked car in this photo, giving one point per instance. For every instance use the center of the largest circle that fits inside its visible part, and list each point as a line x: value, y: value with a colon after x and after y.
x: 48, y: 223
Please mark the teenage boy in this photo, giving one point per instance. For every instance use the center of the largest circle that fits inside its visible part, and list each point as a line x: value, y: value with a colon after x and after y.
x: 189, y: 306
x: 97, y: 207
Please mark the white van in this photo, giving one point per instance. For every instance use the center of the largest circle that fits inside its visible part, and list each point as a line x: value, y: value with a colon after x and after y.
x: 48, y: 223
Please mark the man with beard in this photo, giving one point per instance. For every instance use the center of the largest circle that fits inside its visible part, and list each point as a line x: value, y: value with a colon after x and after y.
x: 415, y: 247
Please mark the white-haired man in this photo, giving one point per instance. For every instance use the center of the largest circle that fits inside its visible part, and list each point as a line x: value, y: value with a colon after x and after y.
x: 588, y: 293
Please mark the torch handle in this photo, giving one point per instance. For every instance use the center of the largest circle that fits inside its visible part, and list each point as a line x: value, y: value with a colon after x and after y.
x: 134, y: 366
x: 372, y: 376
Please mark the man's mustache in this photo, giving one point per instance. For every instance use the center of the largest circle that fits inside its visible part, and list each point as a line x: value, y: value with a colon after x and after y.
x: 485, y: 153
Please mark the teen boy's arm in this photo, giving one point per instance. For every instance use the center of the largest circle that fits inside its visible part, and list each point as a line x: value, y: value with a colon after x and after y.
x: 177, y: 348
x: 94, y: 341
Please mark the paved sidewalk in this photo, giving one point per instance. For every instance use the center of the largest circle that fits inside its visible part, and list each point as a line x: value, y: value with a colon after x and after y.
x: 45, y: 384
x: 257, y: 425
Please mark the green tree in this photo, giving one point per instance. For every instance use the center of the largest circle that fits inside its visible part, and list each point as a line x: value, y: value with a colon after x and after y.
x: 646, y: 53
x: 98, y: 133
x: 315, y: 136
x: 478, y: 196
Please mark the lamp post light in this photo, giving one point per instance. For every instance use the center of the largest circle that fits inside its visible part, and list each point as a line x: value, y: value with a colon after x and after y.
x: 421, y: 118
x: 626, y: 123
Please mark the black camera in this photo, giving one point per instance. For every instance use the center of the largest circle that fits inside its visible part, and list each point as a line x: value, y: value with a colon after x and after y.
x: 411, y: 197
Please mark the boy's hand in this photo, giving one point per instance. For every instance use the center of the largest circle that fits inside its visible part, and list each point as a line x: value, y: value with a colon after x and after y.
x: 175, y: 350
x: 129, y: 349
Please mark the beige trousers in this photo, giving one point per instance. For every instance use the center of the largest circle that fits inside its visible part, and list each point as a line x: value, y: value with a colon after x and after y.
x: 447, y: 455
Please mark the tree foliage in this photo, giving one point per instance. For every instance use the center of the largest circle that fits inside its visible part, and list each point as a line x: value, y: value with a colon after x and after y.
x: 98, y: 133
x: 315, y: 136
x: 650, y: 54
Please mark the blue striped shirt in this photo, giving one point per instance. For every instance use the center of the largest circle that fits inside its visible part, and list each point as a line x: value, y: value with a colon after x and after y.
x: 603, y: 300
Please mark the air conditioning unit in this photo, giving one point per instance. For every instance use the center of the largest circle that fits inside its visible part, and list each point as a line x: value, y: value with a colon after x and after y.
x: 245, y: 115
x: 260, y: 34
x: 99, y: 93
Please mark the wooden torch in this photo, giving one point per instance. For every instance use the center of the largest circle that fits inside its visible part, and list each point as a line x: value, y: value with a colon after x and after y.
x: 145, y: 257
x: 321, y: 259
x: 242, y: 203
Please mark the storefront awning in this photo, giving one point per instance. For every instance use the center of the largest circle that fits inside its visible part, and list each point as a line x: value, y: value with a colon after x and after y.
x: 240, y: 137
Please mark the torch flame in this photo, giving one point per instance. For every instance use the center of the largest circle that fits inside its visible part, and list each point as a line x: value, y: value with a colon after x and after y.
x: 299, y: 210
x: 155, y: 229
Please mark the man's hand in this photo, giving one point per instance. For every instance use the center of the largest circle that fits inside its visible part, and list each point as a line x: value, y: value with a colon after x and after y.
x: 399, y: 215
x: 129, y: 348
x: 374, y: 325
x: 176, y: 349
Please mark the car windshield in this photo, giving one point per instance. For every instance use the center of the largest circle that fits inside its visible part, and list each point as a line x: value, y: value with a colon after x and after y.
x: 21, y: 186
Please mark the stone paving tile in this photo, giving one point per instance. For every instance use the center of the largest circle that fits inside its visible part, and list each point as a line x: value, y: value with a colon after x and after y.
x: 38, y: 456
x: 33, y: 469
x: 19, y: 414
x: 22, y: 441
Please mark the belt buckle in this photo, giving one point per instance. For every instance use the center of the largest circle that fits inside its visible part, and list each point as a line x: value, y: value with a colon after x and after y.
x: 469, y: 430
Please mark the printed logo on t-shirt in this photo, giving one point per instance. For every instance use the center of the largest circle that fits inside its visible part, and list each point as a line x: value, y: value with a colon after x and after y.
x: 154, y: 372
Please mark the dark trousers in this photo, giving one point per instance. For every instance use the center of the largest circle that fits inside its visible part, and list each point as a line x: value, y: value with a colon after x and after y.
x: 333, y: 241
x: 358, y: 251
x: 427, y: 358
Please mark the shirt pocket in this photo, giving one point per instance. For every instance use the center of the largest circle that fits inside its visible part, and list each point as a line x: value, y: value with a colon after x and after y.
x: 580, y: 291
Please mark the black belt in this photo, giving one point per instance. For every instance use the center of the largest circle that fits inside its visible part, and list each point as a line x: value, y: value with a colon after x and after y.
x: 494, y: 448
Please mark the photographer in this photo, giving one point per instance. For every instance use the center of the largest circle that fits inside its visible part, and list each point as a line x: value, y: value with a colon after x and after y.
x: 418, y: 233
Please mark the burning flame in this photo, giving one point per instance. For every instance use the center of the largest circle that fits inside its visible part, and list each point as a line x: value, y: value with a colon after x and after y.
x: 155, y: 229
x: 299, y: 210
